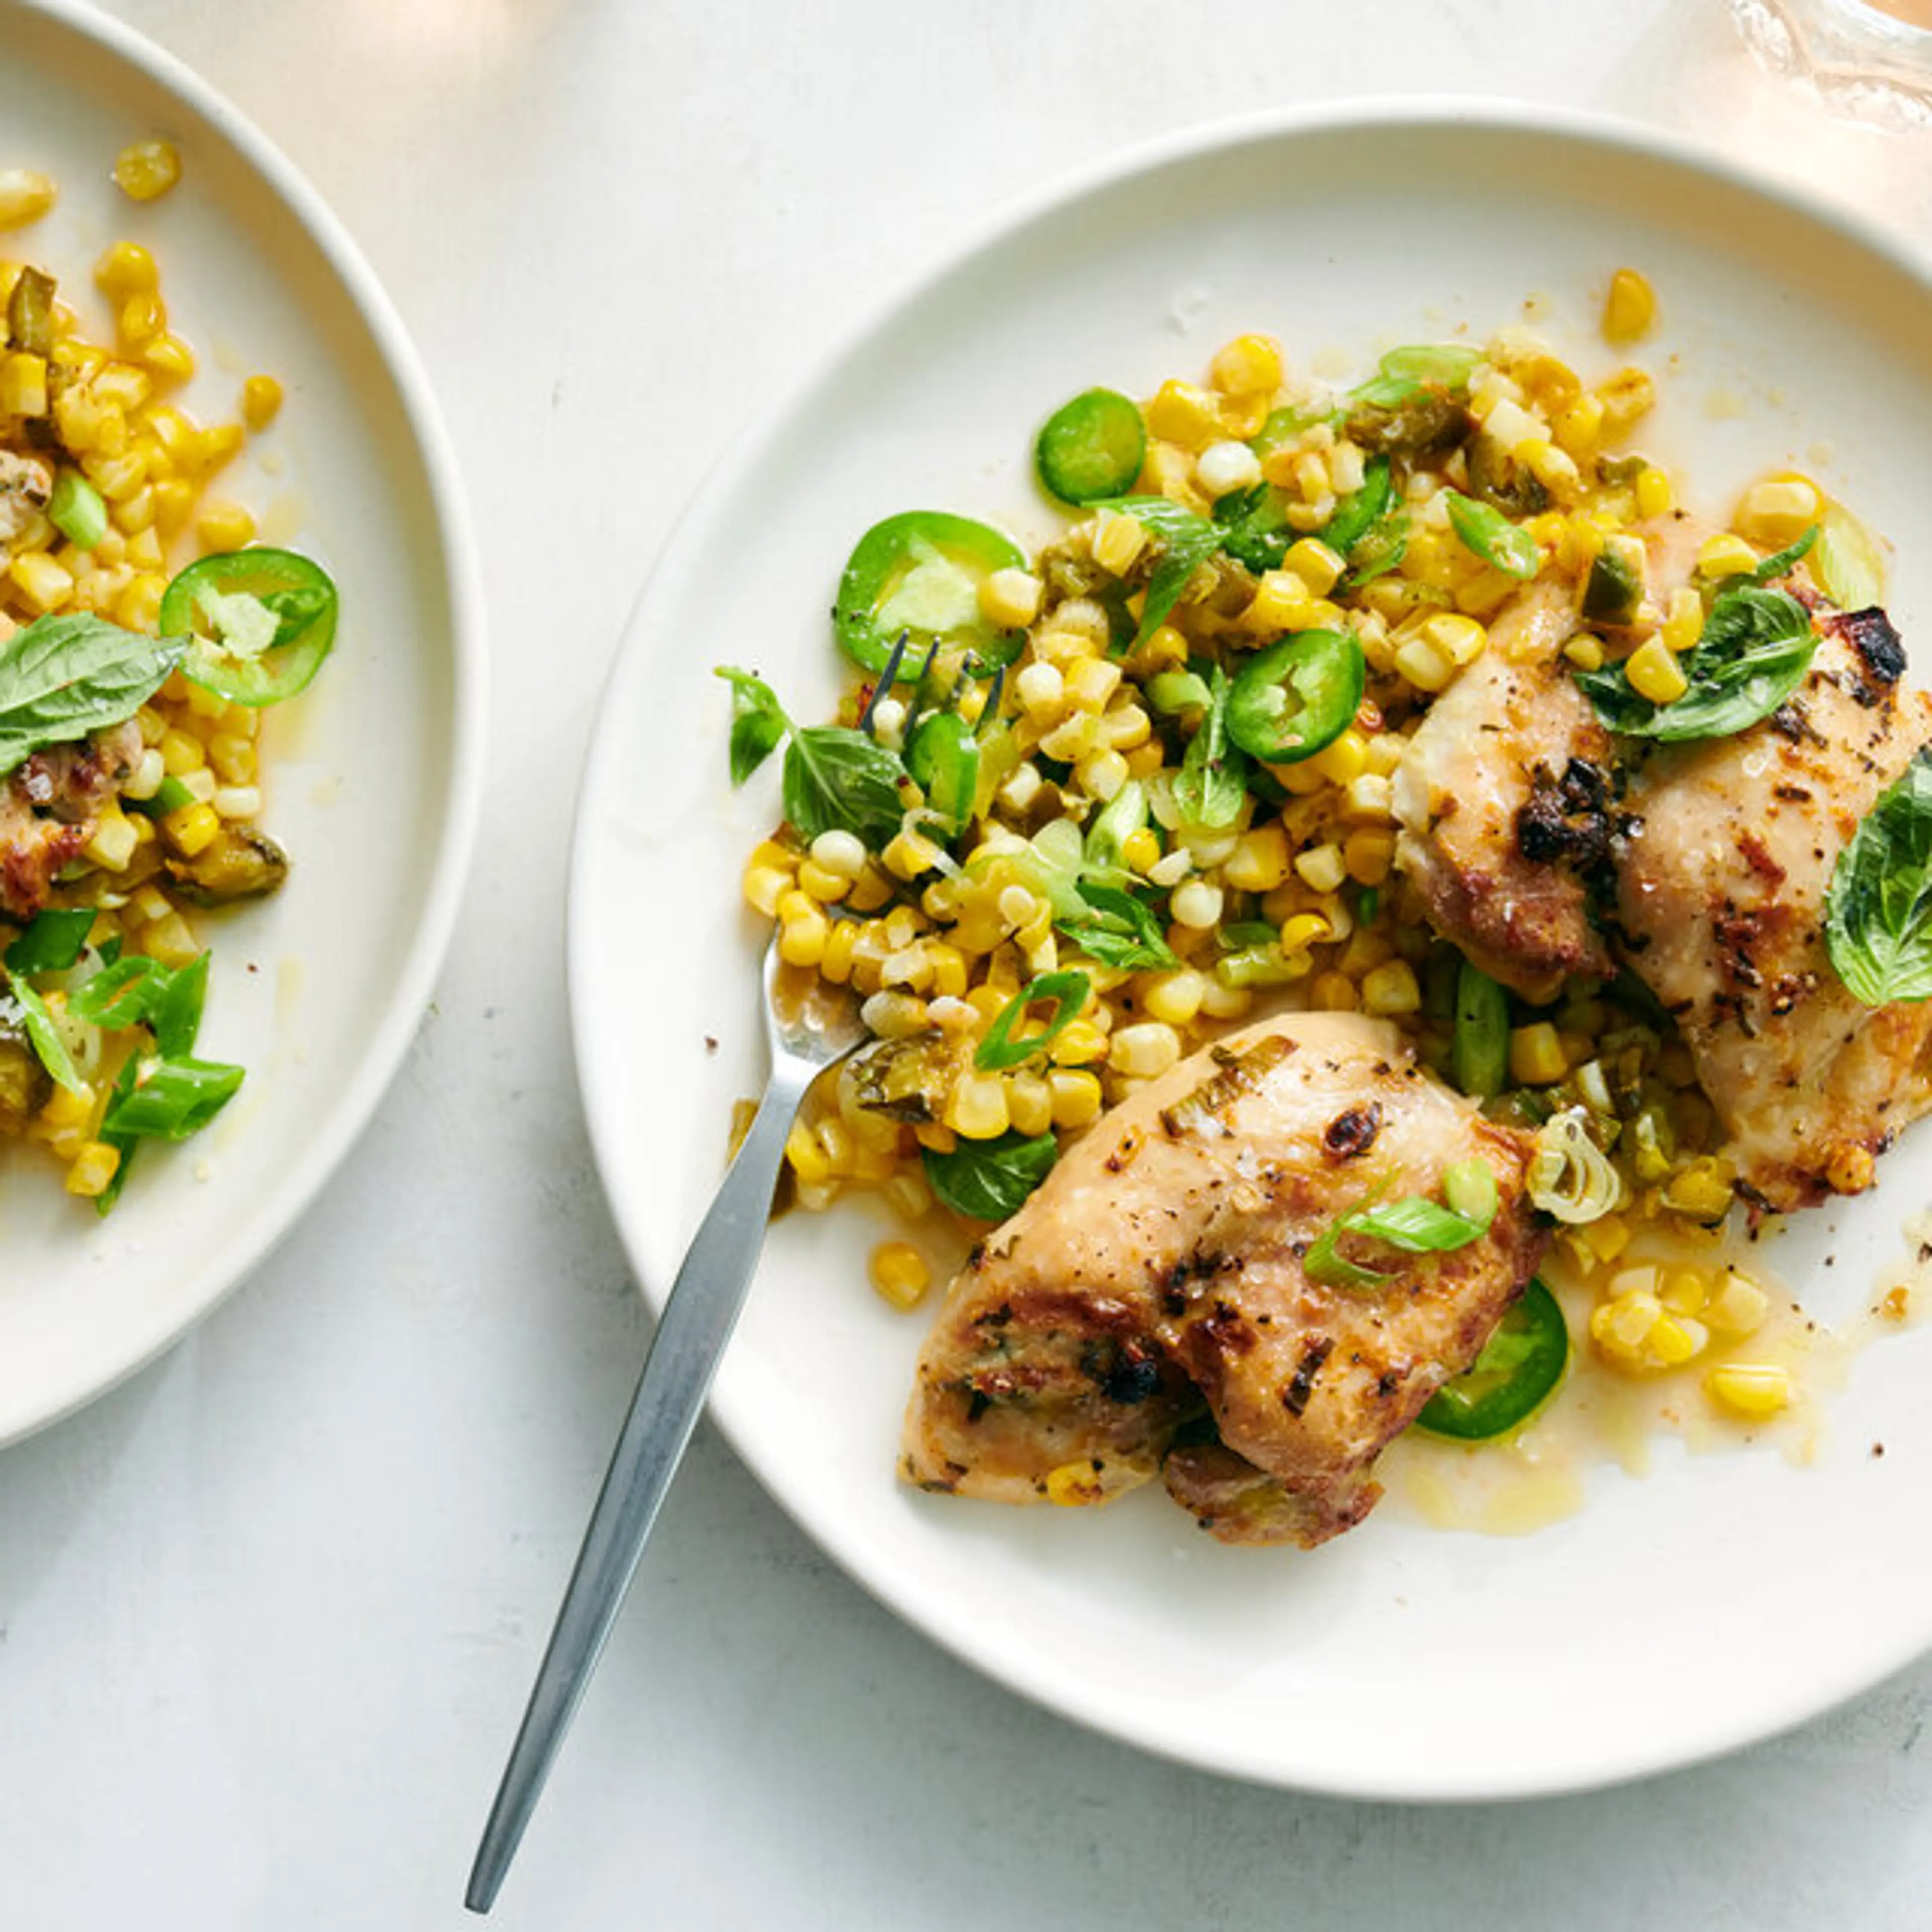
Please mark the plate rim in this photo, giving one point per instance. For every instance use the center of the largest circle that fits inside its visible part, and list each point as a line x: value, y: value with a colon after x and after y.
x: 1443, y: 115
x: 460, y: 567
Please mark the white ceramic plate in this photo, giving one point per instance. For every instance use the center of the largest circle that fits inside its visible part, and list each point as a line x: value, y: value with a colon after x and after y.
x: 1722, y: 1597
x: 374, y: 778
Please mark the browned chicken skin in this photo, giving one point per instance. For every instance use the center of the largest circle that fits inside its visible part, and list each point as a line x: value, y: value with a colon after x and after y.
x: 48, y: 808
x: 1721, y: 897
x: 1501, y: 797
x: 1158, y: 1274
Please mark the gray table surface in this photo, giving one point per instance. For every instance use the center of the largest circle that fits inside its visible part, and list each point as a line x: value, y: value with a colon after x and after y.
x: 268, y: 1613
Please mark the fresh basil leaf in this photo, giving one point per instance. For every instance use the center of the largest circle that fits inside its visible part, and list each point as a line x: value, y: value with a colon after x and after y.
x: 170, y: 1100
x: 49, y: 1049
x: 1068, y: 991
x: 1413, y: 1225
x: 53, y: 941
x: 836, y: 779
x: 1117, y: 928
x: 1254, y: 529
x: 64, y: 678
x: 990, y: 1180
x: 1212, y: 783
x: 758, y: 722
x: 1878, y: 909
x: 1756, y: 646
x: 1186, y: 542
x: 1486, y: 532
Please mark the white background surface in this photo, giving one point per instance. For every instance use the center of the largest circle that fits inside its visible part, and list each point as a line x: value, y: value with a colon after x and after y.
x: 267, y: 1614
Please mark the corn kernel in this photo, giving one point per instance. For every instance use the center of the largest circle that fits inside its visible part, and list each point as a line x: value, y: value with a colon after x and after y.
x: 1629, y: 394
x: 977, y: 1108
x: 1075, y: 1485
x: 126, y: 269
x: 1316, y: 564
x: 1322, y: 868
x: 1333, y: 993
x: 1141, y: 848
x: 112, y: 842
x: 1850, y: 1170
x: 1029, y: 1101
x: 92, y: 1169
x: 171, y: 940
x: 25, y: 196
x: 167, y: 355
x: 45, y: 584
x: 23, y: 385
x: 1424, y: 664
x: 1249, y: 365
x: 1753, y: 1391
x: 1077, y: 1097
x: 1585, y: 652
x: 1259, y: 862
x: 1683, y: 620
x: 1368, y: 852
x: 1739, y: 1307
x: 1181, y: 412
x: 899, y: 1273
x: 802, y: 939
x: 1629, y: 309
x: 1343, y: 760
x: 146, y: 170
x: 1173, y: 997
x: 1779, y: 512
x: 1368, y: 799
x: 1148, y: 1047
x: 223, y: 525
x: 261, y: 402
x: 1459, y: 638
x: 910, y: 854
x: 804, y: 1156
x: 1726, y: 556
x: 1537, y: 1058
x: 1282, y: 602
x: 1391, y: 989
x: 1655, y: 674
x: 1655, y: 497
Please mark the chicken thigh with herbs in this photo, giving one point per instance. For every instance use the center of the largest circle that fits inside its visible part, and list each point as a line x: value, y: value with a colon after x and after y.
x: 1721, y: 894
x: 1162, y: 1273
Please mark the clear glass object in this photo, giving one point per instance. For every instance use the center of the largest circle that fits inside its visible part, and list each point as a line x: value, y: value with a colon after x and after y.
x: 1868, y: 60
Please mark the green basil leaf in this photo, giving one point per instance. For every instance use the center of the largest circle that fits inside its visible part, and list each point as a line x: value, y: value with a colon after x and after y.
x: 836, y: 779
x: 1878, y: 909
x: 1757, y: 645
x: 1068, y: 991
x: 1254, y: 529
x: 758, y: 722
x: 64, y: 678
x: 990, y: 1180
x: 1186, y: 542
x: 1117, y: 928
x: 1485, y: 531
x: 49, y: 1049
x: 1212, y: 783
x: 53, y: 941
x: 170, y: 1100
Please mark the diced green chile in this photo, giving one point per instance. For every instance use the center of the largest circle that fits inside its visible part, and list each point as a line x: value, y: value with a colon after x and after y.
x: 921, y: 571
x: 1519, y: 1367
x: 1092, y: 447
x: 1480, y: 1049
x: 942, y: 756
x: 1487, y: 533
x: 259, y: 621
x: 1361, y: 510
x: 30, y: 314
x: 1296, y: 696
x: 1613, y: 589
x: 77, y: 510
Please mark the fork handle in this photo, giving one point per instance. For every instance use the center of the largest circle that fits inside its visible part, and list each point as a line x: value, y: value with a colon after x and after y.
x: 698, y: 1317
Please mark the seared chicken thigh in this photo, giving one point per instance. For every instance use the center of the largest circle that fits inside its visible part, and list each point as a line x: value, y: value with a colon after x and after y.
x: 1721, y: 896
x: 1502, y: 800
x: 1160, y: 1271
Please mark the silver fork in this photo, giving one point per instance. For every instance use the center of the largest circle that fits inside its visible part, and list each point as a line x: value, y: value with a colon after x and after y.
x: 809, y: 1026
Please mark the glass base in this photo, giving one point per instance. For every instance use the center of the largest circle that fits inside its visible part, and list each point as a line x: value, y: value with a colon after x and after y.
x: 1861, y: 64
